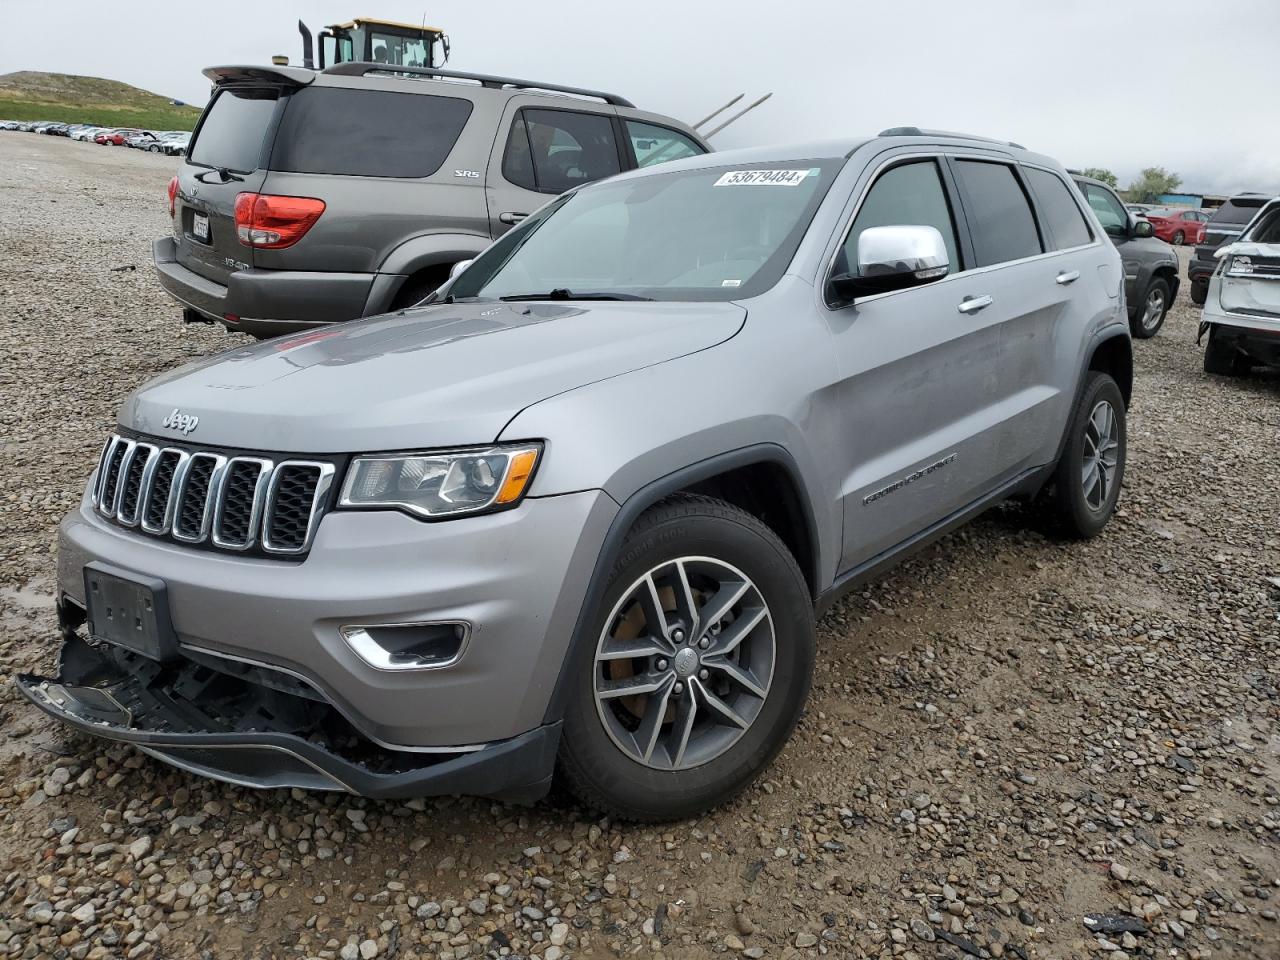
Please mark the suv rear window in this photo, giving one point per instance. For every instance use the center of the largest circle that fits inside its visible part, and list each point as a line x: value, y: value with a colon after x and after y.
x: 1238, y: 211
x: 232, y: 129
x: 367, y: 133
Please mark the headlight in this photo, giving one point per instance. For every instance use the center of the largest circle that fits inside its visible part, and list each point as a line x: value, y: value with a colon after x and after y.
x: 1239, y: 267
x: 443, y: 483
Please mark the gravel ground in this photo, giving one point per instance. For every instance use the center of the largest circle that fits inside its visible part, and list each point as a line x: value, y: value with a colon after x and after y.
x: 1015, y: 747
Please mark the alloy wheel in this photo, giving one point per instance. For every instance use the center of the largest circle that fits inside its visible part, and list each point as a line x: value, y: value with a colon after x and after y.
x: 1153, y: 310
x: 1101, y: 455
x: 684, y: 664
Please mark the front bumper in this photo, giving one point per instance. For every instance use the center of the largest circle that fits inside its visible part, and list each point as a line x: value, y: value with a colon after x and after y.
x: 517, y: 577
x: 229, y: 729
x: 265, y: 302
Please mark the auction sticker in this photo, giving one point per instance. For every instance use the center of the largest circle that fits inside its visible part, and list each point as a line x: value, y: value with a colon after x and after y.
x: 762, y: 178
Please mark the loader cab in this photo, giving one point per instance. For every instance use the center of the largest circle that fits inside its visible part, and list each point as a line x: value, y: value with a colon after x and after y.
x: 383, y: 41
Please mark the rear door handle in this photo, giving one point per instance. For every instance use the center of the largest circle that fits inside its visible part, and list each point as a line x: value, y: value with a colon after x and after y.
x: 1070, y: 276
x: 511, y: 217
x: 974, y: 304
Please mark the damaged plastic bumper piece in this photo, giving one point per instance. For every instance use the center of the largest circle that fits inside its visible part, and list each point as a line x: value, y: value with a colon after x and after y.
x: 261, y: 729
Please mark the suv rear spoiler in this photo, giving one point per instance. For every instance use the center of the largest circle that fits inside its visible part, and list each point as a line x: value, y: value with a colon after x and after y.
x: 358, y: 69
x: 241, y: 73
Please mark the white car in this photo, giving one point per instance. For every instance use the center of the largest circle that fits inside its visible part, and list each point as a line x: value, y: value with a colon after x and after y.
x: 1242, y: 311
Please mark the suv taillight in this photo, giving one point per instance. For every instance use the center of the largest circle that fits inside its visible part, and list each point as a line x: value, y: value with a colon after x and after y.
x: 173, y: 195
x: 272, y: 223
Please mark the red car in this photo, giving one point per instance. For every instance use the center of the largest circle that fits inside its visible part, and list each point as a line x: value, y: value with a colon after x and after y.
x: 1177, y: 226
x: 115, y: 137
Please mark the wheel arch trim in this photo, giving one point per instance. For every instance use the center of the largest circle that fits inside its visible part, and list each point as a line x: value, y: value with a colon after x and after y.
x: 644, y: 498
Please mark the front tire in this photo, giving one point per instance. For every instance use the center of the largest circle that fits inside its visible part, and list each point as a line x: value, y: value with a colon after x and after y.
x: 1152, y: 310
x: 1179, y: 238
x: 1089, y: 474
x: 696, y: 667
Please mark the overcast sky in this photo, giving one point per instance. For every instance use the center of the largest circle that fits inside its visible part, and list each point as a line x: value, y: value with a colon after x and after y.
x: 1123, y: 84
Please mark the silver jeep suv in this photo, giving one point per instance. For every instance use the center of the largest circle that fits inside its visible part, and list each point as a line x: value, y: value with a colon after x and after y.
x: 578, y: 512
x: 308, y: 197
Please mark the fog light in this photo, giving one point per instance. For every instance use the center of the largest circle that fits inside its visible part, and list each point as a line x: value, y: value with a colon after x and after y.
x: 408, y: 646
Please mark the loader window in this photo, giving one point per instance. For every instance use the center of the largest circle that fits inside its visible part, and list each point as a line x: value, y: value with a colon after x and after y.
x: 367, y: 133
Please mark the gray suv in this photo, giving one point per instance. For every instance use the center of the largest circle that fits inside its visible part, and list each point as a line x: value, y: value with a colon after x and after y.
x: 1150, y: 264
x: 578, y: 512
x: 311, y: 197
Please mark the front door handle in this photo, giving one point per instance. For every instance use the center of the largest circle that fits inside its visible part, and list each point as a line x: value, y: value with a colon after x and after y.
x: 973, y: 304
x: 511, y: 217
x: 1070, y: 276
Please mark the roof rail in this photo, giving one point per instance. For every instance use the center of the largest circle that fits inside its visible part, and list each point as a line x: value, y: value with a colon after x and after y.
x: 918, y: 132
x: 484, y: 79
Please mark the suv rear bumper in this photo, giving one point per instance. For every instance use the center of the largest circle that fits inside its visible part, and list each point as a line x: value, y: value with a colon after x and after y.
x: 264, y: 302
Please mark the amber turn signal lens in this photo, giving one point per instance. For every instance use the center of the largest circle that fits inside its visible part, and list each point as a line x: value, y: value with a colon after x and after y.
x: 517, y: 476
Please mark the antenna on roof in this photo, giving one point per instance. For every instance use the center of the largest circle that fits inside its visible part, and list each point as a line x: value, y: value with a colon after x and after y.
x: 737, y: 116
x: 714, y: 113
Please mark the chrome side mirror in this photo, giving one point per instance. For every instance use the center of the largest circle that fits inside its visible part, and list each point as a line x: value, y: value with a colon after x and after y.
x: 892, y: 258
x: 458, y: 267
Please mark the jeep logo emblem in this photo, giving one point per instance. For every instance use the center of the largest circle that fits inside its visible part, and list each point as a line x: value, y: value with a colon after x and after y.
x: 184, y: 423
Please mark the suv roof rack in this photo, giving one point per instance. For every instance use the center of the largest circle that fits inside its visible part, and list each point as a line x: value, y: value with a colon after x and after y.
x: 358, y: 69
x: 920, y: 132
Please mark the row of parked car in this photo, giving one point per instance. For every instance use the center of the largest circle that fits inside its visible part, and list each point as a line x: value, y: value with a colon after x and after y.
x: 170, y: 142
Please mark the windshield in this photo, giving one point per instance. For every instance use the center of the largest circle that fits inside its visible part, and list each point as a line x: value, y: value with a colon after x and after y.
x: 716, y: 233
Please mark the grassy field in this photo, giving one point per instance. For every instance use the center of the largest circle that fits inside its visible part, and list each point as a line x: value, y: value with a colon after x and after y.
x: 28, y: 95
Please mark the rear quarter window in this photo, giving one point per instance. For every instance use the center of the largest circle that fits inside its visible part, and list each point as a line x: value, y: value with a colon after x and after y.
x: 1061, y: 214
x: 231, y: 132
x: 1236, y: 212
x: 367, y: 133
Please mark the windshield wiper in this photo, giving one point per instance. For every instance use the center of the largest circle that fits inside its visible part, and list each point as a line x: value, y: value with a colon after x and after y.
x: 224, y: 175
x: 561, y: 293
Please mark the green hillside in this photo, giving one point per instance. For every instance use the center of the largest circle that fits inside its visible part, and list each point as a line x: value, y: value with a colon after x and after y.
x: 30, y: 95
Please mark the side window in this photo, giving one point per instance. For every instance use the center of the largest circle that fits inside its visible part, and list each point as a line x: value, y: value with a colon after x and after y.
x: 1111, y: 214
x: 911, y: 194
x: 1000, y: 218
x: 653, y: 144
x: 561, y: 150
x: 517, y: 161
x: 1061, y: 214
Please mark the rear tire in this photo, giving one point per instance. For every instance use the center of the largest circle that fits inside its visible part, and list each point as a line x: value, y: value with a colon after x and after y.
x: 672, y: 750
x: 418, y: 287
x: 1199, y: 292
x: 1222, y: 358
x: 1152, y: 310
x: 1090, y: 472
x: 1179, y: 238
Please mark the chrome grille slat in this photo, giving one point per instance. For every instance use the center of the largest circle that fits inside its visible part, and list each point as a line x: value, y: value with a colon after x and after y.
x: 239, y: 502
x: 199, y: 497
x: 132, y: 482
x: 157, y: 514
x: 193, y: 511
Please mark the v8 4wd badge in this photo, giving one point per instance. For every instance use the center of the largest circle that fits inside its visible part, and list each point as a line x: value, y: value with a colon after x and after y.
x: 184, y: 423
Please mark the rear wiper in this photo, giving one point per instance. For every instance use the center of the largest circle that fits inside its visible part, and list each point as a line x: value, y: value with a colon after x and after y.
x: 561, y: 293
x: 224, y: 175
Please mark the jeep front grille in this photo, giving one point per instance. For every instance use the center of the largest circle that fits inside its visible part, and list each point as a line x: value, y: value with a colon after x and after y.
x: 230, y: 502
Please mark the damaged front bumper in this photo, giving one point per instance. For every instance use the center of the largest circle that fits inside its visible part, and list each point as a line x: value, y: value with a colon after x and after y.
x: 260, y: 730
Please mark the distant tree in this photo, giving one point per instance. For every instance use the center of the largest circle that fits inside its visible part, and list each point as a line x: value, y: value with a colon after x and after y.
x: 1103, y: 174
x: 1153, y: 182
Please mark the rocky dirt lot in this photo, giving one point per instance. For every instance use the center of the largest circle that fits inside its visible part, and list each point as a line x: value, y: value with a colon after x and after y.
x: 1015, y: 747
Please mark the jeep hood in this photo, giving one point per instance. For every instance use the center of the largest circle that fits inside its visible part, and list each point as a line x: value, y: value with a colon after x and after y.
x: 436, y: 376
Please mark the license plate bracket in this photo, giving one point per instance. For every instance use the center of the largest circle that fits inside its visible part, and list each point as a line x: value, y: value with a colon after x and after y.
x: 200, y: 227
x: 129, y: 610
